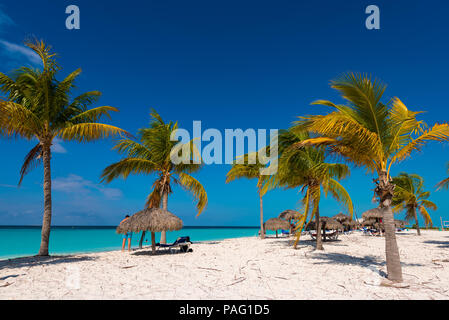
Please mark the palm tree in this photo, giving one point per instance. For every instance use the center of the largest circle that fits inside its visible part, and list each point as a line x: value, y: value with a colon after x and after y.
x: 445, y: 183
x: 39, y: 107
x: 374, y: 135
x: 244, y: 168
x: 409, y: 196
x: 153, y: 155
x: 305, y: 167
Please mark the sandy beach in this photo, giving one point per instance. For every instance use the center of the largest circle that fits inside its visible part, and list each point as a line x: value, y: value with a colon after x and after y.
x: 245, y: 268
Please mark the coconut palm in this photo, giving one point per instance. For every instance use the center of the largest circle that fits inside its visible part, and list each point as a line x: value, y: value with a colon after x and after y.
x: 409, y: 195
x: 371, y: 134
x: 153, y: 156
x: 248, y: 166
x: 39, y: 107
x: 445, y: 183
x: 305, y: 167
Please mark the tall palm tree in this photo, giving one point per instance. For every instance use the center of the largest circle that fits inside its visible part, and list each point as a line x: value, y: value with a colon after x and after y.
x: 445, y: 183
x: 38, y: 106
x: 374, y: 135
x: 305, y: 167
x: 409, y: 195
x: 153, y: 155
x: 244, y: 168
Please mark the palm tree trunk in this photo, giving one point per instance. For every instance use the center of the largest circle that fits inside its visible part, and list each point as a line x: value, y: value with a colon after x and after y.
x: 418, y: 230
x: 46, y: 223
x: 384, y: 190
x: 262, y: 231
x: 141, y: 239
x: 153, y: 242
x: 164, y: 206
x: 319, y: 240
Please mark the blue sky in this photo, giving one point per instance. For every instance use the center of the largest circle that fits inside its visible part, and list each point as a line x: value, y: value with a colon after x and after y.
x: 231, y: 64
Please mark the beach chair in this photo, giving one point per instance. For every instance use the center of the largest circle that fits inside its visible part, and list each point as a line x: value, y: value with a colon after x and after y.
x: 182, y: 243
x: 330, y: 234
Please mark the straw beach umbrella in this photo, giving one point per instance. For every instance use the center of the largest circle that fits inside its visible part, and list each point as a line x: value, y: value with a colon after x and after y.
x: 375, y: 213
x: 341, y: 217
x: 326, y: 224
x: 276, y: 224
x: 288, y: 214
x: 153, y: 220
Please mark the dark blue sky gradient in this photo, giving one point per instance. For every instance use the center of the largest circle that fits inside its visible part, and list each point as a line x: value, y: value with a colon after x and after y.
x: 230, y: 64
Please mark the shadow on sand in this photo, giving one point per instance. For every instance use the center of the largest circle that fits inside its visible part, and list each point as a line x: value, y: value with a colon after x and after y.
x: 149, y: 252
x: 41, y: 261
x: 441, y: 244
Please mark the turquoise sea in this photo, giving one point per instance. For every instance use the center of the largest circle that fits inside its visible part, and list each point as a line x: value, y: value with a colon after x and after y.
x: 19, y: 241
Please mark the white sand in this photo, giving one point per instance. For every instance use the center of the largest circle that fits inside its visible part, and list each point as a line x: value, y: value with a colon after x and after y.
x: 245, y: 268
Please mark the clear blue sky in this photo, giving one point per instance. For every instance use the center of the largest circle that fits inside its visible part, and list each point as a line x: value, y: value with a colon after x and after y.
x: 230, y: 64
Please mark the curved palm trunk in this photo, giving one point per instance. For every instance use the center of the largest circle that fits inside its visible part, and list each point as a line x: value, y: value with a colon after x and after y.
x: 46, y: 222
x: 319, y: 240
x: 262, y: 230
x: 384, y: 191
x: 164, y: 206
x: 418, y: 230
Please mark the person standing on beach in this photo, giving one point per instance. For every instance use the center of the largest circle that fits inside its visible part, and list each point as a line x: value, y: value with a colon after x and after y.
x: 128, y: 236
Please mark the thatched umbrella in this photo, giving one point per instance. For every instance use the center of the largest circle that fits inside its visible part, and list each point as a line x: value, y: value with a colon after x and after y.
x: 341, y: 217
x: 327, y: 223
x: 400, y: 223
x: 276, y: 224
x: 350, y: 224
x: 375, y: 213
x: 288, y: 214
x: 330, y: 224
x: 153, y: 220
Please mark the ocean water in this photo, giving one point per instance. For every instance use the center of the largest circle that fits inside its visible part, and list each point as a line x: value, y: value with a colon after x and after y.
x: 25, y: 241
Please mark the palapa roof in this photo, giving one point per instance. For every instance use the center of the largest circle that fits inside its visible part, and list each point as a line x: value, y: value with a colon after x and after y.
x: 372, y: 222
x: 375, y: 213
x: 341, y: 217
x: 330, y: 224
x: 351, y: 223
x: 151, y: 219
x: 400, y: 223
x: 288, y: 214
x: 276, y: 224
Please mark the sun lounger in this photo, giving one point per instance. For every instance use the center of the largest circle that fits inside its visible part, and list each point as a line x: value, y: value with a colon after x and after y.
x: 182, y: 243
x: 330, y: 234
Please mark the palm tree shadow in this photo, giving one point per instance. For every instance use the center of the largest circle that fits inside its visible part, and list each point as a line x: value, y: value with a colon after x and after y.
x: 41, y: 261
x: 345, y: 259
x: 306, y: 243
x: 442, y: 244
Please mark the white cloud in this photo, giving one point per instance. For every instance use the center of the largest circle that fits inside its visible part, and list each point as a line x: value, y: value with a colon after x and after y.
x: 5, y: 20
x: 12, y: 50
x: 74, y: 184
x: 57, y: 146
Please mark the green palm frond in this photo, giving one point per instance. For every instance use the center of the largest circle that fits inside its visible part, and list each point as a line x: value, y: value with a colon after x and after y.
x: 128, y: 166
x: 444, y: 184
x: 340, y: 194
x: 409, y: 194
x: 196, y: 188
x: 32, y: 160
x: 85, y: 132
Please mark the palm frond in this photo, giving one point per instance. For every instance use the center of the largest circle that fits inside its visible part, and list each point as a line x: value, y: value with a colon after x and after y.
x: 127, y: 166
x: 84, y: 132
x: 32, y: 160
x: 196, y: 188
